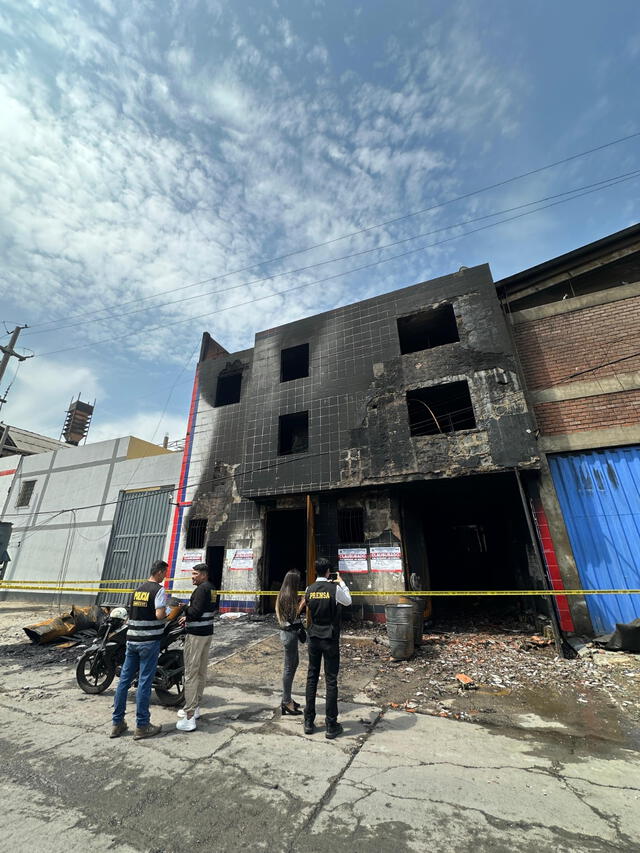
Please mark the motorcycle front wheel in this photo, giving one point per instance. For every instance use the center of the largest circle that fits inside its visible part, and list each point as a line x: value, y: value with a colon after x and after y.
x: 95, y: 671
x: 172, y: 693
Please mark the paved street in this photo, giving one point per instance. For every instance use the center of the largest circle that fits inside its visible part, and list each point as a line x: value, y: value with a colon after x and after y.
x: 249, y: 779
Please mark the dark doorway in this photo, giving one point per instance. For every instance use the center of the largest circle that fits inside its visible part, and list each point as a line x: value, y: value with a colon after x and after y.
x: 476, y: 537
x: 215, y: 560
x: 286, y: 549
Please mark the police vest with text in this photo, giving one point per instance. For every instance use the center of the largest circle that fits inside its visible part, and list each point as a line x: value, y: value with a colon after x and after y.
x: 143, y: 625
x: 324, y: 610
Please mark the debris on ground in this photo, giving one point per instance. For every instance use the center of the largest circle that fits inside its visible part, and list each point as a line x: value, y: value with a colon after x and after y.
x: 466, y: 683
x: 80, y: 620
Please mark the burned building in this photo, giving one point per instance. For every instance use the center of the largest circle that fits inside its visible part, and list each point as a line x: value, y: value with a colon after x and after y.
x: 388, y: 432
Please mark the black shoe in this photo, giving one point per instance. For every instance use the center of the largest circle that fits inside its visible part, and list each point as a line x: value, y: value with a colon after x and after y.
x: 286, y: 710
x: 309, y: 727
x: 333, y: 731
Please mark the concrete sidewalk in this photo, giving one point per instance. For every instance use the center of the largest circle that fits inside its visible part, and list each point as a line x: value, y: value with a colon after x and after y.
x: 250, y: 780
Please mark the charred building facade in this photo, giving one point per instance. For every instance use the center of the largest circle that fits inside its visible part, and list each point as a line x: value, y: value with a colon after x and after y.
x: 391, y: 432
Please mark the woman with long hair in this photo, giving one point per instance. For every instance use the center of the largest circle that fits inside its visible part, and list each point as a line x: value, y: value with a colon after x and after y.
x: 288, y: 609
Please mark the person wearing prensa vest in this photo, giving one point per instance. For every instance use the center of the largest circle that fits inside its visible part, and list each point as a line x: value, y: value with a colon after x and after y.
x: 324, y: 599
x: 198, y: 620
x: 144, y: 631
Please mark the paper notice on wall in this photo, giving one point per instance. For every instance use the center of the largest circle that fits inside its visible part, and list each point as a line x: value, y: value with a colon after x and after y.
x: 353, y: 560
x: 386, y: 559
x: 189, y: 560
x: 240, y: 560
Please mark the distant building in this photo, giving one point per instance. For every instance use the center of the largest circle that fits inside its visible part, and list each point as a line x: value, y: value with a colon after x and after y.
x: 21, y: 442
x: 99, y: 511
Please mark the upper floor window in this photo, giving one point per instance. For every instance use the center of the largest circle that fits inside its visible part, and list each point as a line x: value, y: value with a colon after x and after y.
x: 228, y: 389
x: 428, y: 329
x: 26, y: 491
x: 293, y: 433
x: 196, y: 531
x: 294, y: 362
x: 351, y: 526
x: 440, y: 408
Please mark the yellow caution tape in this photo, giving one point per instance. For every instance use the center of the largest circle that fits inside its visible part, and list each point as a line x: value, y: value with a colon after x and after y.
x: 25, y: 586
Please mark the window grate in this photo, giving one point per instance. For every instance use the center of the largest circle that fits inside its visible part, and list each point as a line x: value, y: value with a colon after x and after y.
x: 26, y: 492
x: 196, y: 532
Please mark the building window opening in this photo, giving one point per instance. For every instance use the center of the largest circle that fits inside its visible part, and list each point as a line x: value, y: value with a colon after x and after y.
x: 228, y: 389
x: 294, y: 363
x: 196, y: 532
x: 428, y: 329
x: 26, y: 491
x: 440, y: 409
x: 351, y: 526
x: 293, y: 433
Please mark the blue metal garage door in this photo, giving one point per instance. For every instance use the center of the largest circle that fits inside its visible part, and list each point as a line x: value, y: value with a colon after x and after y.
x: 599, y: 493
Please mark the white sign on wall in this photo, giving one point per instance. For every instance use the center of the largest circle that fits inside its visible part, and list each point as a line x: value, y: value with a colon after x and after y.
x: 352, y: 560
x: 388, y: 559
x: 240, y: 560
x: 189, y: 559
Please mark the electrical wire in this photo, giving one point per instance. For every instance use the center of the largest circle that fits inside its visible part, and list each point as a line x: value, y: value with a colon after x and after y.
x: 599, y: 184
x: 470, y: 194
x: 219, y: 310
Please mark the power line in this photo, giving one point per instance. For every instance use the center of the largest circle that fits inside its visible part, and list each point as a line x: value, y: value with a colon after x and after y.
x: 163, y: 326
x: 365, y: 230
x: 600, y: 184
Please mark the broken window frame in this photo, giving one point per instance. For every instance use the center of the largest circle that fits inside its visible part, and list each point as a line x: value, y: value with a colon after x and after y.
x: 26, y: 493
x: 443, y: 414
x: 351, y: 525
x: 288, y: 363
x: 436, y: 327
x: 196, y: 533
x: 288, y: 448
x: 225, y: 381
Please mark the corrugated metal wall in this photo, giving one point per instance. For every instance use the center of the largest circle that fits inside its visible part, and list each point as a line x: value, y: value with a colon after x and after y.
x: 599, y: 493
x: 139, y: 533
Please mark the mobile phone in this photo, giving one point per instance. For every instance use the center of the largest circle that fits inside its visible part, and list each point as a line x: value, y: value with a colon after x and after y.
x: 332, y: 576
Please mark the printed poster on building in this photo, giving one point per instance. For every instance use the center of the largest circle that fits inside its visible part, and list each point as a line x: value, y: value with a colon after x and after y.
x: 189, y: 560
x: 240, y: 560
x: 352, y: 560
x: 388, y: 559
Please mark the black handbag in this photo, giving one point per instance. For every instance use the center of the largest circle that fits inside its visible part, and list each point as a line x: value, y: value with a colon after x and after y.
x: 302, y: 633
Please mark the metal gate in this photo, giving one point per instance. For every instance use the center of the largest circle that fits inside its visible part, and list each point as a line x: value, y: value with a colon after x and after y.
x: 599, y: 493
x: 137, y: 539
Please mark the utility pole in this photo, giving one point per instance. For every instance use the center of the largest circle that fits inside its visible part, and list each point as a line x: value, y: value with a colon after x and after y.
x: 9, y: 352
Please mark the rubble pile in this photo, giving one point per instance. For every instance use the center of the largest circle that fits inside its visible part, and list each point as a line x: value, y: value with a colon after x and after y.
x: 494, y: 657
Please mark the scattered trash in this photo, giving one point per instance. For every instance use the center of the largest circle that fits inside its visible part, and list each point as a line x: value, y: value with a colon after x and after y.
x: 79, y: 620
x: 229, y: 616
x: 626, y: 637
x: 466, y: 683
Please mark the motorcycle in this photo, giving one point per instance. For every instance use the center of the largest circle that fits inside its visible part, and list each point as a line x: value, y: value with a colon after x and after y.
x: 103, y: 660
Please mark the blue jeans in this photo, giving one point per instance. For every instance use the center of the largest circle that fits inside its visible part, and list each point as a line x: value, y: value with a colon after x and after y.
x: 141, y: 658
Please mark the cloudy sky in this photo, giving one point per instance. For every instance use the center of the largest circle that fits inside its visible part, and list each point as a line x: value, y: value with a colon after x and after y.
x: 172, y: 167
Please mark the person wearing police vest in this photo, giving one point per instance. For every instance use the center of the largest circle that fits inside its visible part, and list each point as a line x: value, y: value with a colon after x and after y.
x: 324, y: 599
x: 198, y: 621
x: 144, y: 631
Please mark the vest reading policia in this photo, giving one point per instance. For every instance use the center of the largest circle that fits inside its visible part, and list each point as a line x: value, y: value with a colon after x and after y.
x: 143, y: 625
x: 324, y: 610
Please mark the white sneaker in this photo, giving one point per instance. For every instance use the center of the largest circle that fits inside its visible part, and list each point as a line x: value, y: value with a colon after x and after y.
x: 186, y: 724
x: 183, y: 713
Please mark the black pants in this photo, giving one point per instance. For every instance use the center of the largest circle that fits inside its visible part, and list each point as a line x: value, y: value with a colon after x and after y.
x: 329, y: 650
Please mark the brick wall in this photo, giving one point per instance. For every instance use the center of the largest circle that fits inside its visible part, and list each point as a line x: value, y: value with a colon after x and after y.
x: 553, y: 348
x: 587, y: 413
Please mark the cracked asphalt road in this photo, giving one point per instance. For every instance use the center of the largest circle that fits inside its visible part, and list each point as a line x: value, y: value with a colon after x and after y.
x: 248, y: 779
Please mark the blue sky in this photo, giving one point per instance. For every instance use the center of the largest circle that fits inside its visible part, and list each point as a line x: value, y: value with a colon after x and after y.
x: 147, y: 146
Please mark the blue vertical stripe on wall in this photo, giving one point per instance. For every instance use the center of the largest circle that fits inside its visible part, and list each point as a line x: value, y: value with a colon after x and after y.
x: 599, y: 494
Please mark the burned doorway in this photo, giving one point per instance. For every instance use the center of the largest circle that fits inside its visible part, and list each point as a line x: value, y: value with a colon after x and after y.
x: 285, y: 549
x: 215, y: 562
x: 475, y: 538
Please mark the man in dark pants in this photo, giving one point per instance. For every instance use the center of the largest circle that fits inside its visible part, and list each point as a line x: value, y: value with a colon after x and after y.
x: 144, y: 631
x: 324, y: 599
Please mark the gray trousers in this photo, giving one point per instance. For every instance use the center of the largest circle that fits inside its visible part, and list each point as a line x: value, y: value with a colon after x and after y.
x: 196, y: 660
x: 289, y: 640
